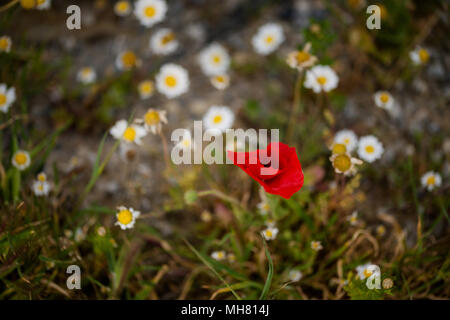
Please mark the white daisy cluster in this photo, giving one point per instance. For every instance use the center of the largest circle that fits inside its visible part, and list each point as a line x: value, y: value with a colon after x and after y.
x: 41, y: 186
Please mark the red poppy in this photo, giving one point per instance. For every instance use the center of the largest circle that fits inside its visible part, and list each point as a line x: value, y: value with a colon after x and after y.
x: 283, y: 179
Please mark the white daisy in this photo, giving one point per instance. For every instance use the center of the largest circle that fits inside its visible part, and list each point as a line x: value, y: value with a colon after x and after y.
x: 41, y: 188
x: 431, y: 180
x: 42, y: 177
x: 384, y: 100
x: 316, y: 245
x: 419, y: 56
x: 21, y: 159
x: 172, y: 80
x: 219, y: 255
x: 344, y: 163
x: 218, y: 118
x: 154, y: 119
x: 127, y: 60
x: 263, y: 207
x: 231, y: 257
x: 80, y: 235
x: 270, y: 233
x: 163, y: 42
x: 7, y: 97
x: 43, y: 4
x: 353, y: 218
x: 86, y: 75
x: 126, y: 217
x: 268, y: 38
x: 373, y: 274
x: 295, y: 275
x: 363, y: 271
x: 146, y: 89
x: 150, y: 12
x: 214, y: 60
x: 370, y: 148
x: 186, y: 143
x: 122, y: 8
x: 271, y: 223
x: 321, y: 78
x: 5, y: 44
x: 301, y: 59
x: 348, y: 138
x: 128, y: 133
x: 220, y: 81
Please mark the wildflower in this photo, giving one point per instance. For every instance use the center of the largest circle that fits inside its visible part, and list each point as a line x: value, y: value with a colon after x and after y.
x: 214, y: 60
x: 43, y: 4
x: 122, y: 8
x: 295, y: 275
x: 370, y: 148
x: 154, y: 119
x: 419, y: 56
x: 219, y: 255
x: 218, y: 119
x: 347, y: 137
x: 126, y: 217
x: 80, y: 235
x: 28, y: 4
x: 5, y: 44
x: 172, y: 80
x: 364, y: 271
x: 268, y: 38
x: 301, y: 59
x: 101, y: 231
x: 263, y: 207
x: 128, y: 133
x: 338, y: 148
x: 270, y: 223
x: 431, y: 180
x: 231, y: 257
x: 127, y: 60
x: 7, y: 97
x: 316, y: 245
x: 387, y: 283
x: 270, y: 233
x: 146, y: 89
x: 186, y: 142
x: 353, y: 218
x: 321, y: 78
x: 384, y: 100
x: 344, y: 163
x: 41, y: 187
x: 285, y: 180
x: 150, y: 12
x: 220, y: 81
x: 163, y: 42
x: 21, y: 160
x: 381, y: 230
x: 86, y: 75
x: 373, y: 274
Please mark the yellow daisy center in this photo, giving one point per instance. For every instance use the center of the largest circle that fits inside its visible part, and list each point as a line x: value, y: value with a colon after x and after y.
x: 152, y: 118
x: 266, y: 207
x: 150, y: 12
x: 269, y: 39
x: 125, y: 217
x: 171, y: 81
x: 269, y: 233
x: 129, y: 59
x: 4, y: 43
x: 2, y: 99
x: 346, y: 141
x: 86, y: 72
x: 367, y: 273
x: 220, y: 255
x: 384, y: 97
x: 217, y: 119
x: 39, y: 2
x: 146, y: 87
x: 122, y: 6
x: 424, y: 55
x: 342, y: 162
x: 216, y: 59
x: 431, y: 180
x: 187, y: 142
x: 321, y: 80
x: 220, y: 79
x: 168, y: 38
x: 129, y: 134
x: 20, y: 158
x: 40, y: 187
x: 339, y: 148
x: 41, y: 177
x: 303, y: 56
x: 370, y: 149
x: 28, y: 4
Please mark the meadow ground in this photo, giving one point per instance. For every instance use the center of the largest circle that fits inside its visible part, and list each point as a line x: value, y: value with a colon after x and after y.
x: 366, y: 110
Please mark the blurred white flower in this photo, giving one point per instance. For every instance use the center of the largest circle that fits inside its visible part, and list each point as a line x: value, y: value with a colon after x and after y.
x: 321, y: 78
x: 21, y: 159
x: 128, y: 133
x: 122, y: 8
x: 384, y: 100
x: 270, y: 233
x: 5, y: 44
x: 220, y: 81
x: 146, y: 89
x: 150, y: 12
x: 268, y: 38
x: 154, y: 119
x: 431, y: 180
x: 419, y: 56
x: 86, y: 75
x: 370, y: 148
x: 7, y: 97
x: 301, y: 59
x: 163, y: 42
x: 127, y: 60
x: 219, y: 255
x: 348, y: 138
x: 218, y: 118
x: 316, y: 245
x: 295, y: 275
x: 172, y: 80
x: 126, y: 217
x: 214, y: 60
x: 43, y: 4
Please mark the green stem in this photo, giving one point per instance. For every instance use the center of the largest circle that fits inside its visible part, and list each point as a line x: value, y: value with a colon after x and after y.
x: 295, y: 106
